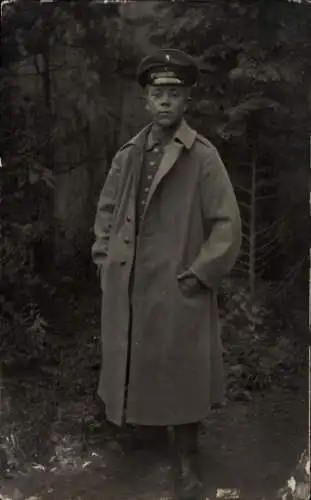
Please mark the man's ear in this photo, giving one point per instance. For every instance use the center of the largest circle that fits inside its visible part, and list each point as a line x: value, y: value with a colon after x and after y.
x: 187, y: 98
x: 147, y: 107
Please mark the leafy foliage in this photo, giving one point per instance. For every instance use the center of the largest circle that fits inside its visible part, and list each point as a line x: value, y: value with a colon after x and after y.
x: 22, y: 327
x: 61, y: 111
x: 259, y: 348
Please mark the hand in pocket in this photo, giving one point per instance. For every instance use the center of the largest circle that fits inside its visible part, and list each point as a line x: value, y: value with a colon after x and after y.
x: 190, y: 285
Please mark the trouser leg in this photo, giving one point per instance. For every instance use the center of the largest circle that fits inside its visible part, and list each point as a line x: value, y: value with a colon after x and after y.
x: 186, y: 454
x: 186, y: 437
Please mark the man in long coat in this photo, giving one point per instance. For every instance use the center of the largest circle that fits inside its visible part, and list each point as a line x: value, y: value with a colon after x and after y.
x: 167, y: 230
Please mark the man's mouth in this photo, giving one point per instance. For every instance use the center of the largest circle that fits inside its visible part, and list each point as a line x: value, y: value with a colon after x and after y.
x: 165, y: 114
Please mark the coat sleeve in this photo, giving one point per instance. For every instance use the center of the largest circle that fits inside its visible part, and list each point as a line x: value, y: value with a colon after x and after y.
x: 221, y: 216
x: 104, y: 215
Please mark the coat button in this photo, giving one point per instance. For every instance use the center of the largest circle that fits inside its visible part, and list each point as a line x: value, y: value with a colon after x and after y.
x: 122, y: 263
x: 129, y: 219
x: 126, y: 240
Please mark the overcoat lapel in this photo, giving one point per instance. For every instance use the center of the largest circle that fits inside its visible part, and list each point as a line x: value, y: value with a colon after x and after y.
x: 169, y: 159
x: 185, y: 136
x: 135, y: 159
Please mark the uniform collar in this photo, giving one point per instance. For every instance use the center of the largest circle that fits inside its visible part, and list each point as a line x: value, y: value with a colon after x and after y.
x: 184, y: 134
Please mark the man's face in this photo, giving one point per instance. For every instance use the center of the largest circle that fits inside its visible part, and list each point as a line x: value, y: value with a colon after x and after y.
x: 167, y: 103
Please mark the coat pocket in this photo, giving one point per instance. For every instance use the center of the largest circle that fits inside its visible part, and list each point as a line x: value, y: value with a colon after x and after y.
x: 195, y: 290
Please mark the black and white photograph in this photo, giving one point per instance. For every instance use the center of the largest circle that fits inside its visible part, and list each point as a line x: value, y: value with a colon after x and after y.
x: 155, y: 203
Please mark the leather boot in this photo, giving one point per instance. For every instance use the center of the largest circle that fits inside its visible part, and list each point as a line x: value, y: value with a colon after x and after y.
x: 146, y: 437
x: 188, y: 485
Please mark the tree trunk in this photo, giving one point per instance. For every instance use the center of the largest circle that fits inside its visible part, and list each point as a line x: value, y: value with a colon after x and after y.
x: 46, y: 211
x: 252, y: 231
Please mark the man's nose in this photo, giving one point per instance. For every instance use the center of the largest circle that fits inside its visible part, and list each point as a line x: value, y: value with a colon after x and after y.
x: 165, y: 99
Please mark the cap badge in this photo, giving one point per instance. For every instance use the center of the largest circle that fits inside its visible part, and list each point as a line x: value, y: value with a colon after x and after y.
x: 167, y: 57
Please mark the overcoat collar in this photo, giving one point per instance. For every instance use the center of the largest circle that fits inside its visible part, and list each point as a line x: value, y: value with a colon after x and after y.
x: 138, y: 140
x: 184, y: 134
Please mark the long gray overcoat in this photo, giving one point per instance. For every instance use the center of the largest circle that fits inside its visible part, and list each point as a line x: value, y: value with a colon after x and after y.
x: 191, y: 225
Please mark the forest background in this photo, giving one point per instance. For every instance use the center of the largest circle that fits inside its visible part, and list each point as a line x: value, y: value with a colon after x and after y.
x: 69, y: 99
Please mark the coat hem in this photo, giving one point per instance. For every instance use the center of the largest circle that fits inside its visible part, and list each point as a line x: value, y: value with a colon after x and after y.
x: 170, y: 423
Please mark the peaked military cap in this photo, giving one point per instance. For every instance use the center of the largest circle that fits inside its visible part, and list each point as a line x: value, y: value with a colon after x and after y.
x: 168, y: 67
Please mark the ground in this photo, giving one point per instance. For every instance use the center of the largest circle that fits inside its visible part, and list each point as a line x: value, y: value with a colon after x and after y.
x: 61, y: 447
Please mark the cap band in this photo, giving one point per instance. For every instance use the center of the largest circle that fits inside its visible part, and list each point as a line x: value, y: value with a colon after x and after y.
x: 165, y: 78
x: 167, y: 81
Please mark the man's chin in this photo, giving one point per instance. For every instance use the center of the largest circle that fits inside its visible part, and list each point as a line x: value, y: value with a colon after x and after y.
x: 166, y: 122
